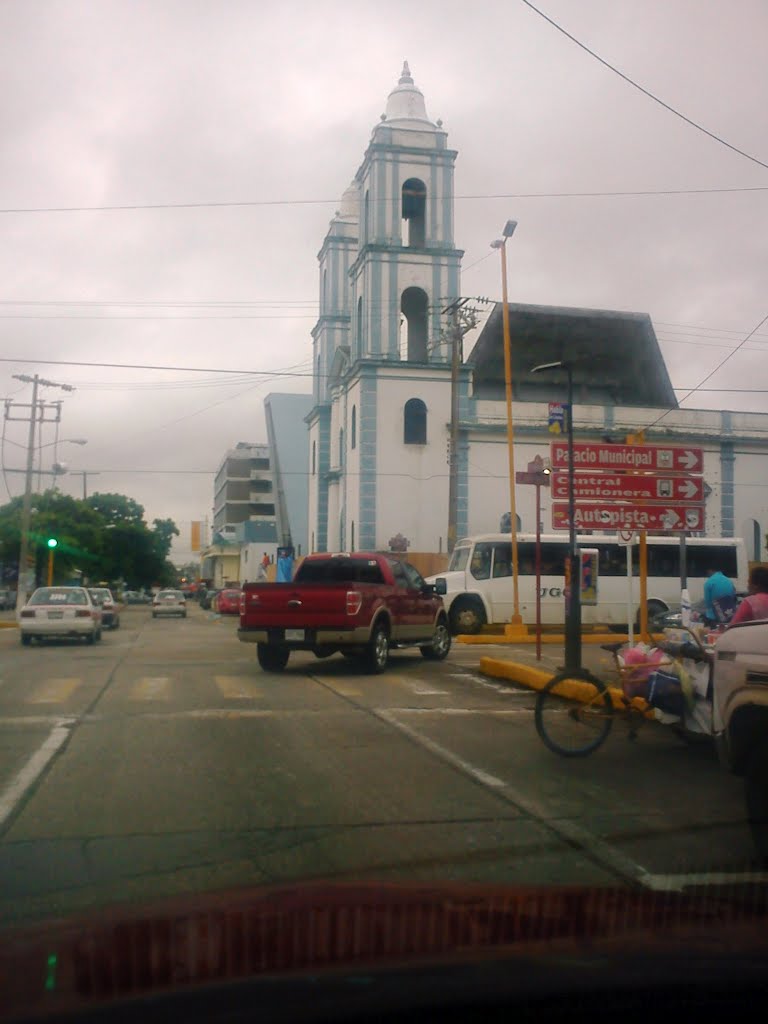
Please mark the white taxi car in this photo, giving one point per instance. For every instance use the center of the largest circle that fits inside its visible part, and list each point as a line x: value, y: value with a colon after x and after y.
x: 60, y: 612
x: 169, y: 602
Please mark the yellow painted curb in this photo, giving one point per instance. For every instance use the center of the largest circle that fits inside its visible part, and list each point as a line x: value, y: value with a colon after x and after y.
x: 9, y: 625
x: 549, y: 638
x: 536, y: 679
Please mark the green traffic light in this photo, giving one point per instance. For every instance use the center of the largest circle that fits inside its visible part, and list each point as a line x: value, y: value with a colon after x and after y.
x: 52, y: 542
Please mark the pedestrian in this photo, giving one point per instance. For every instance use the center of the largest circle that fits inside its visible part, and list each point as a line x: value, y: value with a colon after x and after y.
x: 284, y: 567
x: 755, y: 604
x: 719, y: 597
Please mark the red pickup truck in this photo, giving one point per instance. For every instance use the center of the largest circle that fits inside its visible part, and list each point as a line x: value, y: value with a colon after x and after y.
x: 360, y: 604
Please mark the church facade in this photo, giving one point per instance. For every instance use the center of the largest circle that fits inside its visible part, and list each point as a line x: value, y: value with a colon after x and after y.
x: 379, y: 425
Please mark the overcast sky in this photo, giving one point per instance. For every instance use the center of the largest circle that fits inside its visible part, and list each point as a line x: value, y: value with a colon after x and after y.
x: 162, y: 102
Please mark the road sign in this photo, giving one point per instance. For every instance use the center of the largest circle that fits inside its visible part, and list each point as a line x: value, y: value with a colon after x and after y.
x: 541, y: 479
x: 630, y: 457
x: 607, y: 486
x: 669, y: 518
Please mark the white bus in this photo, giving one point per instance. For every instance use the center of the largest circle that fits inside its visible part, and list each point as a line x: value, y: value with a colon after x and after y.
x: 479, y: 577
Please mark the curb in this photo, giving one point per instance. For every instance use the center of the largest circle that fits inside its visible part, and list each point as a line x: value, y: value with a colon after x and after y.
x: 9, y: 625
x: 536, y: 679
x: 548, y: 638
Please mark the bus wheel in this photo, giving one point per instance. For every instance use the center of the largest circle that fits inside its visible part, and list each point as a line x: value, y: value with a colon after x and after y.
x: 467, y: 616
x: 654, y: 608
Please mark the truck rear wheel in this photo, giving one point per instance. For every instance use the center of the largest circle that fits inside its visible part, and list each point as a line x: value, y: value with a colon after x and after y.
x: 441, y: 643
x: 377, y: 652
x: 272, y: 659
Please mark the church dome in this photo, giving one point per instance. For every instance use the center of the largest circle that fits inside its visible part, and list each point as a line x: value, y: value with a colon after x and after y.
x: 405, y: 104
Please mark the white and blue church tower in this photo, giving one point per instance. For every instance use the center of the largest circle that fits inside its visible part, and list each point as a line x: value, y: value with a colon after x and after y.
x: 379, y: 426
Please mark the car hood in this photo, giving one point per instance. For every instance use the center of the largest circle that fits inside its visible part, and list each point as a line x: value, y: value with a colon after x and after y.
x: 185, y: 943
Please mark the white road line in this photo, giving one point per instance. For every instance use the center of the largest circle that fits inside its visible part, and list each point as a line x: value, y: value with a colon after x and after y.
x: 55, y: 690
x: 567, y: 829
x: 151, y: 688
x: 420, y: 691
x: 237, y: 688
x: 29, y: 774
x: 446, y: 755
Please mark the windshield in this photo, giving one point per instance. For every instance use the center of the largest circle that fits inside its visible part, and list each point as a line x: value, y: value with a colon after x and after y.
x: 459, y: 559
x: 371, y: 364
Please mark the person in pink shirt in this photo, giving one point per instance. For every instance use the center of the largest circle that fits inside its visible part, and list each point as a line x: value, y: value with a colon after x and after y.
x: 755, y: 606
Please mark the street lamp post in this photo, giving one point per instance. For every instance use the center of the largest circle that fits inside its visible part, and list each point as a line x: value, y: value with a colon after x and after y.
x: 573, y: 615
x: 515, y: 627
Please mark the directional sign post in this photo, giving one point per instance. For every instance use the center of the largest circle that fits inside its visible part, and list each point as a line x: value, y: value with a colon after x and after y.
x: 667, y: 518
x: 622, y: 487
x: 637, y: 458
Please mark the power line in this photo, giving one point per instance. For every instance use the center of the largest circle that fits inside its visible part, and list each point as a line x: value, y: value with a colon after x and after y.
x: 235, y: 204
x: 644, y: 91
x: 712, y: 372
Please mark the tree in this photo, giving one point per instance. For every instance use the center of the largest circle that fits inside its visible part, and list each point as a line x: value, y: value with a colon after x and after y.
x: 103, y: 537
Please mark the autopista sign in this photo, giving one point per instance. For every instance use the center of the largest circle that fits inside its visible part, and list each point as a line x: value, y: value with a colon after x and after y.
x: 614, y: 516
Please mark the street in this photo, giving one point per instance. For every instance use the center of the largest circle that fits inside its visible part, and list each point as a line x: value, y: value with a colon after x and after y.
x: 164, y: 761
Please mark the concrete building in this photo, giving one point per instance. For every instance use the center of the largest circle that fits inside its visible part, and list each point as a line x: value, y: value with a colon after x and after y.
x: 244, y: 488
x: 380, y: 418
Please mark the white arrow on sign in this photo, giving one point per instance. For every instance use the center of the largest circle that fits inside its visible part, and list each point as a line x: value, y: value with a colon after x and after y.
x: 670, y: 518
x: 688, y: 459
x: 688, y: 488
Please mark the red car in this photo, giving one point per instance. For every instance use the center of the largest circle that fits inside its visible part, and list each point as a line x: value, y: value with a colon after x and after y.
x: 227, y: 602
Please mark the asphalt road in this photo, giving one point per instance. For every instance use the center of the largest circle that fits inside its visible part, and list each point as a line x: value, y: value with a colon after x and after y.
x: 164, y: 761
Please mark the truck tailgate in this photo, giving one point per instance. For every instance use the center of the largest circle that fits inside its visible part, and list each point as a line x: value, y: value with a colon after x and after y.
x: 305, y: 606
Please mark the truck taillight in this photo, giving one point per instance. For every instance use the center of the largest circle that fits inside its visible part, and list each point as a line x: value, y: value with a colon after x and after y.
x: 354, y: 602
x: 242, y: 602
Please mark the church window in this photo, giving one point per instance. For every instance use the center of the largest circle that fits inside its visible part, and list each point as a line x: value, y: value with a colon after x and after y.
x: 413, y: 305
x: 414, y: 196
x: 353, y: 429
x: 415, y: 422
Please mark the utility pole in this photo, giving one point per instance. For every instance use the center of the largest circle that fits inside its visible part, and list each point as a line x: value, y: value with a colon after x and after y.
x: 84, y: 473
x: 462, y: 321
x: 36, y: 414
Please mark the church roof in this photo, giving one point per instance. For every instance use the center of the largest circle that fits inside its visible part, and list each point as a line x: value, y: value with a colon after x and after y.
x: 405, y: 104
x: 615, y: 356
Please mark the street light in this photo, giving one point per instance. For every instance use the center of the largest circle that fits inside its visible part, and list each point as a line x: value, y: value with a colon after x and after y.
x: 573, y: 617
x: 516, y: 627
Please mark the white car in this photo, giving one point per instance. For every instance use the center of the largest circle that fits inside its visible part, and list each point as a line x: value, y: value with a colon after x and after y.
x: 169, y: 602
x: 60, y: 612
x: 110, y: 615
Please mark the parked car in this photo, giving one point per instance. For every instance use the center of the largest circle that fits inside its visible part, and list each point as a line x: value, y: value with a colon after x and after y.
x: 227, y: 601
x: 169, y: 602
x: 60, y: 612
x: 207, y: 599
x: 7, y: 598
x: 110, y: 615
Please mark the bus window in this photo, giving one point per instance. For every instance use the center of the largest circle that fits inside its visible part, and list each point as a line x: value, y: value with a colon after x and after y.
x: 664, y: 560
x: 502, y: 560
x: 700, y: 561
x: 480, y: 566
x: 553, y: 559
x: 613, y: 560
x: 526, y: 558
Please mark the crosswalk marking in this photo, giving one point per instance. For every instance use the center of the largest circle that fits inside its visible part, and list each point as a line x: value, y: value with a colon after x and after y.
x: 237, y: 688
x: 151, y: 688
x: 55, y: 690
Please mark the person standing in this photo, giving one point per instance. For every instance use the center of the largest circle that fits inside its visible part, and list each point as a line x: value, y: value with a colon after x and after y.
x: 284, y: 566
x: 755, y: 605
x: 719, y: 597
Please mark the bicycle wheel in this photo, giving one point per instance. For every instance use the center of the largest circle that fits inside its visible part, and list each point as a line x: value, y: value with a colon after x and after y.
x: 570, y: 727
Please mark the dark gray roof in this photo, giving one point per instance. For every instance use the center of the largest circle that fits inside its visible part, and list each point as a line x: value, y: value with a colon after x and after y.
x: 615, y: 357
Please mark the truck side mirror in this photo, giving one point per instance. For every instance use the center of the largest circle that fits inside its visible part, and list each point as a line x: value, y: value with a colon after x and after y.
x: 441, y: 587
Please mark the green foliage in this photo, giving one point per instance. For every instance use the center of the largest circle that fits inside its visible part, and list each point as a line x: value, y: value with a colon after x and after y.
x: 103, y: 537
